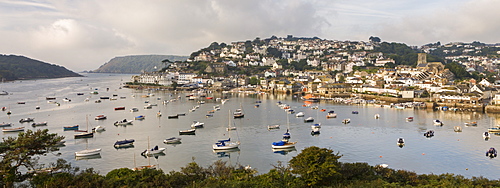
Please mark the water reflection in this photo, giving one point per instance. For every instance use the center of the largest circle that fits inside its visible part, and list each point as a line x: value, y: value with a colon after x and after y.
x: 226, y: 152
x: 284, y: 151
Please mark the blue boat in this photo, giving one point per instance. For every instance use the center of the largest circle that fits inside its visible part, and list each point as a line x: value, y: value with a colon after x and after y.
x: 124, y: 143
x: 74, y: 127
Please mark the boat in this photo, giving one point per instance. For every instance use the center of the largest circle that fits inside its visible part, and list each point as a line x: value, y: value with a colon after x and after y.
x: 79, y: 94
x: 100, y: 117
x: 86, y: 133
x: 124, y: 143
x: 26, y: 120
x: 437, y: 122
x: 66, y: 100
x: 269, y: 127
x: 188, y: 132
x: 238, y: 114
x: 140, y: 117
x: 473, y: 123
x: 299, y: 114
x: 331, y: 114
x: 486, y: 135
x: 120, y: 108
x: 134, y: 109
x: 309, y: 119
x: 429, y: 133
x: 284, y: 143
x: 225, y: 144
x: 346, y: 121
x: 408, y: 119
x: 98, y: 129
x: 88, y: 152
x: 39, y: 124
x: 173, y: 116
x: 316, y: 125
x: 492, y: 152
x: 37, y: 107
x: 97, y: 101
x: 315, y: 130
x: 4, y: 93
x: 355, y: 112
x: 123, y: 122
x: 457, y: 129
x: 494, y: 130
x: 153, y: 151
x: 376, y: 116
x: 401, y: 142
x: 197, y: 124
x: 13, y: 129
x: 181, y: 114
x: 5, y: 124
x: 290, y: 111
x: 158, y: 114
x: 149, y: 106
x: 172, y: 140
x: 231, y: 128
x: 104, y: 97
x: 50, y: 98
x: 323, y: 110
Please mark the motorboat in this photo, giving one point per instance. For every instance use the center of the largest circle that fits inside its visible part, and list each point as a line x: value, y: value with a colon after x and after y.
x: 66, y: 100
x: 26, y: 120
x: 309, y: 119
x: 486, y: 135
x: 172, y: 140
x: 88, y: 152
x: 408, y: 119
x: 269, y: 127
x: 13, y: 129
x: 120, y: 108
x: 492, y: 152
x: 98, y: 129
x: 197, y: 124
x: 437, y: 122
x: 68, y: 128
x: 290, y: 111
x: 100, y: 117
x: 457, y: 129
x: 316, y: 125
x: 473, y: 123
x: 238, y: 114
x: 153, y: 151
x: 315, y: 130
x: 149, y: 106
x: 173, y: 116
x: 429, y: 133
x: 124, y: 143
x: 39, y: 124
x: 134, y: 109
x: 494, y: 130
x: 230, y: 128
x: 140, y: 117
x: 376, y: 116
x: 123, y: 122
x: 300, y: 114
x: 188, y: 132
x: 355, y: 112
x: 401, y: 142
x: 346, y: 121
x: 331, y: 114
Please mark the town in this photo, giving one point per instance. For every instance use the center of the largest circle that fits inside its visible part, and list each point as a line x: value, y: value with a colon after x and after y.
x: 460, y: 75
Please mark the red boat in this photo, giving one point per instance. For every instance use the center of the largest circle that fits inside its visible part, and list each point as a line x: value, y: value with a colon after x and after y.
x: 120, y: 108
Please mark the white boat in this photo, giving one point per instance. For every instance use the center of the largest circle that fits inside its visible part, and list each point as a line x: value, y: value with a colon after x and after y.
x: 172, y: 140
x: 88, y: 152
x: 315, y: 130
x: 13, y: 129
x: 149, y: 106
x: 376, y: 116
x: 473, y: 123
x: 231, y: 128
x: 239, y: 113
x: 134, y: 109
x: 4, y: 93
x: 457, y: 129
x: 226, y: 143
x: 316, y: 125
x: 346, y: 121
x: 309, y: 119
x: 197, y: 124
x: 39, y: 124
x: 26, y: 120
x: 100, y: 117
x: 98, y: 129
x: 299, y: 114
x: 188, y: 132
x: 437, y: 122
x: 331, y: 114
x: 153, y: 151
x: 269, y: 127
x: 123, y: 122
x: 409, y: 119
x: 285, y: 142
x: 400, y: 142
x: 486, y: 135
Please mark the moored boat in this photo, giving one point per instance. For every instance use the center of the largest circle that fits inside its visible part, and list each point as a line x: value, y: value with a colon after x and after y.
x: 473, y: 123
x: 124, y: 143
x: 400, y: 142
x: 140, y: 117
x: 299, y: 114
x: 331, y: 114
x: 123, y: 122
x: 309, y: 119
x: 74, y: 127
x: 153, y: 151
x: 5, y: 124
x: 134, y: 109
x: 13, y: 129
x: 346, y: 121
x: 437, y: 122
x: 98, y: 129
x: 492, y: 152
x: 486, y: 135
x: 88, y: 152
x: 172, y: 140
x: 39, y: 124
x: 408, y: 119
x: 269, y: 127
x: 120, y: 108
x: 457, y: 129
x: 173, y: 116
x: 188, y: 132
x: 429, y: 133
x: 26, y: 120
x: 197, y: 124
x: 100, y: 117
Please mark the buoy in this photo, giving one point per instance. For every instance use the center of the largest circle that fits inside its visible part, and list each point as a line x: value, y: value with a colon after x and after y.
x: 466, y: 168
x: 380, y: 156
x: 423, y: 153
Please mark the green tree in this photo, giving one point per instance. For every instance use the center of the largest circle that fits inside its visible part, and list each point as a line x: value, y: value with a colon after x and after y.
x: 253, y: 80
x: 316, y: 166
x: 24, y: 151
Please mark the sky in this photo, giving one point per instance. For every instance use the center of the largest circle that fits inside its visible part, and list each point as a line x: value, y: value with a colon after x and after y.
x: 83, y: 35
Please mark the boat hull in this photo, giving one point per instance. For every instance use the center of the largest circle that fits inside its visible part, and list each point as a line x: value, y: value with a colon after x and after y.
x: 88, y: 152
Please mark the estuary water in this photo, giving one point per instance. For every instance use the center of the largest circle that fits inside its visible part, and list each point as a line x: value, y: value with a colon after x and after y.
x: 365, y: 139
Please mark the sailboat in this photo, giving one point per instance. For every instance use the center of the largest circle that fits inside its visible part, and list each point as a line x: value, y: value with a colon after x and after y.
x: 227, y: 143
x: 88, y: 152
x: 86, y: 133
x: 285, y: 142
x: 152, y: 151
x: 239, y: 112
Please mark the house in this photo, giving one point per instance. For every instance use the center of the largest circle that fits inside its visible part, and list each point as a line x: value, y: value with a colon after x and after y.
x: 334, y: 88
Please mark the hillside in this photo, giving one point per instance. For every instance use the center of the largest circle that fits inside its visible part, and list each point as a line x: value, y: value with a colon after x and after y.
x: 136, y: 63
x: 14, y: 67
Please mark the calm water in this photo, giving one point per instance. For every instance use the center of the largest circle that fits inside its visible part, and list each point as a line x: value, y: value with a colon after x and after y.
x: 365, y: 139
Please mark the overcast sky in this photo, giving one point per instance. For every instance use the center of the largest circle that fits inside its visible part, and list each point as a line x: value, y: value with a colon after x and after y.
x: 82, y: 35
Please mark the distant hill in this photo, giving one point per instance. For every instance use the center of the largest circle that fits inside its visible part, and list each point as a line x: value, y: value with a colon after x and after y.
x: 14, y: 67
x: 134, y: 64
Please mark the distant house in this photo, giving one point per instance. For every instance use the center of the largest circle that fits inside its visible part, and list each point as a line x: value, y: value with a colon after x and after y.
x: 216, y: 68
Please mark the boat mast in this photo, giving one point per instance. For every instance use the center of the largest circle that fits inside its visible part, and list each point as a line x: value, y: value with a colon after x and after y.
x: 229, y: 125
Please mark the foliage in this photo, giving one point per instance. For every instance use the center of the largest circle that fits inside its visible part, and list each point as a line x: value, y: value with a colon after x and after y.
x: 316, y: 166
x: 14, y: 67
x: 253, y: 80
x: 24, y: 151
x: 458, y: 70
